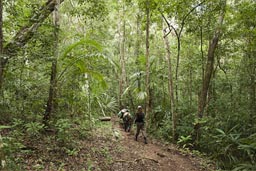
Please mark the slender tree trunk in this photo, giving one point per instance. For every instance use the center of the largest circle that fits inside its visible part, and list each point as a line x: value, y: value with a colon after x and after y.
x: 178, y: 36
x: 51, y: 103
x: 137, y: 50
x: 209, y: 70
x: 177, y: 72
x: 148, y: 100
x: 3, y: 62
x: 2, y: 59
x: 2, y: 155
x: 138, y: 37
x: 1, y: 28
x: 201, y: 49
x: 190, y: 87
x: 122, y: 79
x: 252, y: 87
x: 170, y: 87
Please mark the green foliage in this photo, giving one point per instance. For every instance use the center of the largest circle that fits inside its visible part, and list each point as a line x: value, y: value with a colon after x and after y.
x: 226, y: 145
x: 64, y: 133
x: 34, y: 128
x: 92, y: 9
x: 72, y: 152
x: 185, y: 141
x: 107, y: 104
x: 11, y: 146
x: 83, y: 42
x: 89, y: 73
x: 164, y: 129
x: 245, y: 167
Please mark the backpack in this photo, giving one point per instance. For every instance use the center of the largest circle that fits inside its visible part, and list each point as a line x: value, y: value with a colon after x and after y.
x: 126, y: 116
x: 122, y: 112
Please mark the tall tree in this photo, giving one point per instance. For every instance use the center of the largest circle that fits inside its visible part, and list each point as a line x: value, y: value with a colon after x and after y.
x: 2, y: 59
x: 148, y: 99
x: 209, y: 66
x: 178, y: 32
x: 170, y: 85
x: 24, y: 35
x: 51, y: 103
x: 1, y: 70
x: 122, y: 78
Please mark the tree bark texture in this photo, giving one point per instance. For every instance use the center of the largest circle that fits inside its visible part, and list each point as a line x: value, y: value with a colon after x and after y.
x: 170, y: 87
x: 2, y: 155
x: 2, y: 59
x: 24, y: 35
x: 208, y: 72
x: 252, y: 87
x: 190, y: 86
x: 148, y: 100
x: 209, y: 66
x: 122, y: 78
x: 51, y: 103
x: 137, y: 50
x: 201, y: 49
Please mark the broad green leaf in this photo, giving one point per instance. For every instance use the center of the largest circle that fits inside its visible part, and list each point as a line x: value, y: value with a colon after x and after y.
x: 88, y: 42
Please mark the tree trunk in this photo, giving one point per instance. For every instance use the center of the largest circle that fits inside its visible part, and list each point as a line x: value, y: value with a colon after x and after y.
x: 3, y: 61
x: 2, y: 155
x: 24, y: 35
x: 170, y: 87
x: 252, y: 87
x: 148, y: 100
x: 208, y: 74
x: 209, y: 70
x: 137, y: 50
x: 137, y: 45
x: 177, y: 71
x: 201, y: 49
x: 190, y: 86
x: 122, y: 79
x: 178, y: 36
x: 51, y: 103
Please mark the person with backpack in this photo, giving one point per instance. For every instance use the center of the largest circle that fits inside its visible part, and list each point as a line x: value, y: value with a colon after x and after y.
x: 121, y: 113
x: 127, y: 120
x: 140, y: 123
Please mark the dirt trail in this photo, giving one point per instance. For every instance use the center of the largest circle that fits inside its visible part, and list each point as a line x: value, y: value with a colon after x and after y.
x: 106, y: 148
x: 150, y: 157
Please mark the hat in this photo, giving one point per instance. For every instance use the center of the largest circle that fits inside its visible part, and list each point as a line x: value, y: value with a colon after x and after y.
x: 139, y: 107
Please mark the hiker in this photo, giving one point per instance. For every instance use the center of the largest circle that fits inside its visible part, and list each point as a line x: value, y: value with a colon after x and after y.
x: 140, y: 122
x: 121, y: 113
x: 127, y: 120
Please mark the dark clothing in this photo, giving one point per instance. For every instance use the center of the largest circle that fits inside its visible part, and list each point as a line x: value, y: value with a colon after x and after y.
x: 139, y: 117
x: 140, y: 126
x: 140, y: 122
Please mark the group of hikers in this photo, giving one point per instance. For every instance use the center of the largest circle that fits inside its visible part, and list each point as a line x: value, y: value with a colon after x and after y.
x: 138, y: 119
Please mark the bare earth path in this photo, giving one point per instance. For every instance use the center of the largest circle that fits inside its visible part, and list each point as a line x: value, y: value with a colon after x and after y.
x: 106, y: 148
x: 150, y: 157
